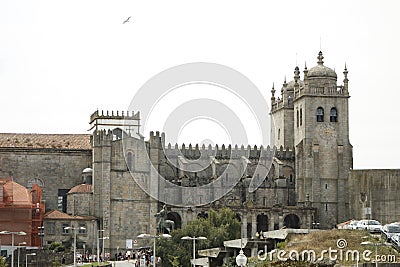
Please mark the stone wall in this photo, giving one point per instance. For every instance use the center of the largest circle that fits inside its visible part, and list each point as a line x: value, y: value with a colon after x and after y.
x: 56, y: 168
x: 377, y: 189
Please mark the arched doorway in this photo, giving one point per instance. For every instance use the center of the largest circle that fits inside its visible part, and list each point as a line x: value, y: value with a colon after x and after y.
x: 262, y: 223
x: 292, y: 221
x: 174, y: 216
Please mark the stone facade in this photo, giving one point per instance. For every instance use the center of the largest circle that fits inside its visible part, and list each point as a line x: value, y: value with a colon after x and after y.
x: 54, y: 224
x: 377, y: 190
x: 317, y: 110
x: 51, y: 168
x: 303, y: 178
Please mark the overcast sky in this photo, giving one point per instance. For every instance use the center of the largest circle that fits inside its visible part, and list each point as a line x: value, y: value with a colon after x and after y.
x: 62, y: 60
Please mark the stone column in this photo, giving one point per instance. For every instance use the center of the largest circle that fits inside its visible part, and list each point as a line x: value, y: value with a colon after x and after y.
x: 272, y: 220
x: 244, y: 225
x: 253, y: 224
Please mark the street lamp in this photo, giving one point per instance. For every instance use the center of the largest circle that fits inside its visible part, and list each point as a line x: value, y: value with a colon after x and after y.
x: 98, y: 248
x: 26, y: 258
x: 241, y: 259
x: 12, y: 242
x: 102, y: 249
x: 194, y: 245
x: 41, y: 235
x: 369, y: 243
x: 74, y: 228
x: 154, y: 245
x: 19, y: 244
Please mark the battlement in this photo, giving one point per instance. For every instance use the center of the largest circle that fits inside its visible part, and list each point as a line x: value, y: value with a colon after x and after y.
x: 226, y: 152
x: 117, y: 116
x: 110, y: 120
x: 338, y: 90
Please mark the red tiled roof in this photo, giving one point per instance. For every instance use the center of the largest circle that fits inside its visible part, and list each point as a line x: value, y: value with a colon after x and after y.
x: 82, y: 188
x: 59, y: 215
x: 15, y: 194
x: 56, y: 214
x: 60, y: 141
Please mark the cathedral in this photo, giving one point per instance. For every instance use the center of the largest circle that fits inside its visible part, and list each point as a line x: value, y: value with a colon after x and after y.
x: 114, y: 181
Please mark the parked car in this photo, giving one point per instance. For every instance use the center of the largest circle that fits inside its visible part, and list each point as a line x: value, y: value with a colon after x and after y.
x: 388, y: 230
x: 395, y: 240
x: 373, y: 226
x: 352, y: 225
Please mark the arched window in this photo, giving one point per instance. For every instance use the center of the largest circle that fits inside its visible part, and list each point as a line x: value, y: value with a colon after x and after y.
x: 35, y: 181
x: 320, y: 114
x: 297, y: 118
x: 130, y: 161
x: 279, y: 134
x: 333, y: 115
x: 301, y: 116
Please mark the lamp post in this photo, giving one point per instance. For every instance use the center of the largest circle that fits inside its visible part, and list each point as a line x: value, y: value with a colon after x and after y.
x: 12, y: 242
x: 26, y: 258
x: 19, y: 244
x: 241, y: 259
x: 98, y: 245
x: 376, y: 245
x: 194, y: 245
x: 41, y: 235
x: 102, y: 248
x: 154, y: 244
x: 75, y: 228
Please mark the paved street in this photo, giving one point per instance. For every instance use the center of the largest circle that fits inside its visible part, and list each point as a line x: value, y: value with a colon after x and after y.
x: 124, y: 264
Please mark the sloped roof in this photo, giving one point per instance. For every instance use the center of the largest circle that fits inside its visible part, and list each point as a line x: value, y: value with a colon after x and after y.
x: 15, y: 194
x: 81, y: 188
x: 59, y: 215
x: 60, y: 141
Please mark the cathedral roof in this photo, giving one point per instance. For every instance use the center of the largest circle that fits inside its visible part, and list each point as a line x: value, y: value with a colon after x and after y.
x: 320, y: 70
x: 60, y: 141
x: 291, y: 84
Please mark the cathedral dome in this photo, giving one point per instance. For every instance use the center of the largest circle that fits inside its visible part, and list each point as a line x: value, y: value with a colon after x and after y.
x: 291, y: 84
x: 320, y: 70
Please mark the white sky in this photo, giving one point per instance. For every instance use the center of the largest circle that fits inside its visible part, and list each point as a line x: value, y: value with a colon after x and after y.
x: 62, y: 60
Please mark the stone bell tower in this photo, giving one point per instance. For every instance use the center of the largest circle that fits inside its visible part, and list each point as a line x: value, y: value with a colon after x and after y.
x: 321, y: 138
x: 313, y: 116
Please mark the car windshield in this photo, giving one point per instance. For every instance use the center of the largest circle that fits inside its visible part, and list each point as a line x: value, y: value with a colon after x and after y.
x: 373, y: 223
x: 393, y: 229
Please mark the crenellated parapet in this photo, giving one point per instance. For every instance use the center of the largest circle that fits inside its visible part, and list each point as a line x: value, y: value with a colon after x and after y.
x: 227, y: 152
x: 128, y: 122
x: 114, y: 115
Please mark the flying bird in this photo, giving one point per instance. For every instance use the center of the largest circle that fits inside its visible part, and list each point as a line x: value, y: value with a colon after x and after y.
x: 127, y: 20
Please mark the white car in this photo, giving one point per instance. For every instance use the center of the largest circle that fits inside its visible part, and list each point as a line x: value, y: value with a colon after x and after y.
x: 373, y: 226
x: 352, y: 225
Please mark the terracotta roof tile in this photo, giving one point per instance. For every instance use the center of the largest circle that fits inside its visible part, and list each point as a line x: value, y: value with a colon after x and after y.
x: 56, y: 214
x: 60, y: 141
x: 82, y: 188
x: 59, y: 215
x: 15, y: 194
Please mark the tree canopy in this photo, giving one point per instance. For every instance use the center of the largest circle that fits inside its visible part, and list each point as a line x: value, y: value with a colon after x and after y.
x: 219, y: 226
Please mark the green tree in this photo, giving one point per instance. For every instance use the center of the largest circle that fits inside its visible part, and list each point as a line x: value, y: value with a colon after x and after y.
x: 221, y: 225
x: 3, y: 262
x: 56, y: 246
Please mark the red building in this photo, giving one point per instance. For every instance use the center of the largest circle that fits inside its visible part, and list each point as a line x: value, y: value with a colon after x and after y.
x: 21, y: 210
